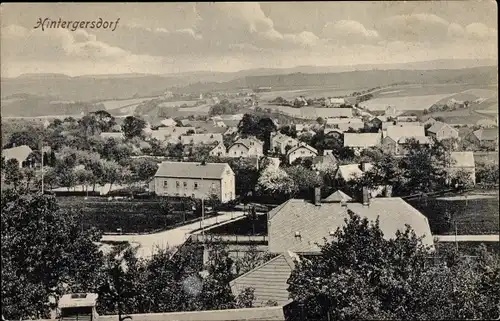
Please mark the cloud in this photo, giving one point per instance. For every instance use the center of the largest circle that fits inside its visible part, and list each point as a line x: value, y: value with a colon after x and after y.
x: 349, y: 31
x: 420, y: 27
x: 455, y: 31
x: 54, y: 44
x: 479, y: 31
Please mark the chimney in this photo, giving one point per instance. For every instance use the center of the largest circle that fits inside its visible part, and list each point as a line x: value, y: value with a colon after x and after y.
x: 388, y: 191
x: 366, y: 196
x: 317, y: 196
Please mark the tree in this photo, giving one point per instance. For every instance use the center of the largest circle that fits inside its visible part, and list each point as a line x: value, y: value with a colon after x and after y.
x: 144, y: 169
x: 305, y: 179
x: 248, y: 125
x: 487, y: 174
x: 275, y: 181
x: 133, y: 127
x: 251, y: 259
x: 362, y: 275
x: 12, y: 172
x: 43, y: 249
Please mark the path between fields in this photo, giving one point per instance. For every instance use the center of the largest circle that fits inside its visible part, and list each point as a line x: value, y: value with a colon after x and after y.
x: 147, y: 243
x: 468, y: 238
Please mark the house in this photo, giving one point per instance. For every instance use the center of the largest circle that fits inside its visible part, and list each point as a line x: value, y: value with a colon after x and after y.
x: 391, y: 111
x: 281, y: 143
x: 246, y: 147
x: 299, y: 127
x: 407, y: 118
x: 440, y: 131
x: 301, y: 100
x: 108, y: 135
x: 219, y: 150
x: 230, y: 131
x: 398, y: 131
x: 269, y: 280
x: 361, y: 141
x: 197, y: 180
x: 487, y: 123
x: 333, y: 112
x: 485, y: 137
x: 335, y: 102
x: 343, y: 124
x: 377, y: 121
x: 297, y: 228
x: 398, y: 123
x: 201, y: 139
x: 430, y: 121
x: 301, y: 151
x: 325, y: 162
x: 462, y: 162
x: 352, y: 171
x: 169, y: 122
x: 19, y: 153
x: 300, y: 226
x: 78, y: 306
x: 171, y: 134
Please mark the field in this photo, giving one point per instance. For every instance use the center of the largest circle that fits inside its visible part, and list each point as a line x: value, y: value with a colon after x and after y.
x: 173, y: 104
x: 134, y: 216
x: 473, y: 216
x: 116, y: 104
x: 308, y: 93
x: 403, y: 103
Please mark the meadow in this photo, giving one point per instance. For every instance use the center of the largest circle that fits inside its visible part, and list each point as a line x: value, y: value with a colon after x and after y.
x: 116, y: 104
x: 403, y: 102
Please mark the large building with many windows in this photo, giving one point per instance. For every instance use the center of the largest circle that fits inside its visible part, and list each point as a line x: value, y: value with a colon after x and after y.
x: 197, y: 180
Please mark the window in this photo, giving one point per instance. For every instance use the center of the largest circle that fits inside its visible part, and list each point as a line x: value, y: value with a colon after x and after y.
x: 185, y: 194
x: 302, y: 152
x: 195, y: 185
x: 177, y: 184
x: 165, y: 184
x: 185, y: 184
x: 241, y: 153
x: 192, y: 195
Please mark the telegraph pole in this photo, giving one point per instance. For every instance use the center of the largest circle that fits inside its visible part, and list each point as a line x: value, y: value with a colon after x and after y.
x: 41, y: 152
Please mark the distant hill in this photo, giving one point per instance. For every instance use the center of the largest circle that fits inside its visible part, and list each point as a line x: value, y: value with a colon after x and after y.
x: 121, y: 86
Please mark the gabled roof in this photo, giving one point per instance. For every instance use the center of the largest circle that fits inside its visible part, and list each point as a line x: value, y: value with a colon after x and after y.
x: 350, y: 171
x: 462, y: 159
x: 361, y: 140
x: 168, y: 122
x: 325, y: 160
x: 487, y: 134
x: 437, y: 126
x: 77, y: 300
x: 269, y: 280
x: 247, y: 142
x: 421, y: 139
x: 20, y: 153
x: 293, y: 149
x: 338, y: 196
x: 333, y: 121
x: 315, y: 222
x: 207, y: 138
x: 192, y: 170
x: 274, y: 313
x: 397, y: 131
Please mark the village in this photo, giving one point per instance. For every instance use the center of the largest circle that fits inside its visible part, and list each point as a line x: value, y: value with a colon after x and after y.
x: 255, y: 186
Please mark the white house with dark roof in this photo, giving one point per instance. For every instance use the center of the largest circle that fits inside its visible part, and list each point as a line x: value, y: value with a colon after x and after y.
x: 280, y: 142
x: 301, y: 151
x: 19, y: 153
x: 246, y: 147
x: 395, y: 138
x: 440, y: 131
x: 360, y: 141
x: 197, y: 180
x: 219, y: 150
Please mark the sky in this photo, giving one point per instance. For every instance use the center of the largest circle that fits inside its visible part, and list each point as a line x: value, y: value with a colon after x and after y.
x: 163, y: 38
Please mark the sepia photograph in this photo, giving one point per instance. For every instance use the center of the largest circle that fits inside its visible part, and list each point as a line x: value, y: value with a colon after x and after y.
x: 250, y: 161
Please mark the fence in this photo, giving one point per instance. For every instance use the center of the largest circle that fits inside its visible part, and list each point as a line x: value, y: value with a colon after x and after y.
x: 235, y: 239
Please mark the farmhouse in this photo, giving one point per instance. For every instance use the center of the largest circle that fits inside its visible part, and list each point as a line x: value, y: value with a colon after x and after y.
x: 326, y: 162
x: 197, y: 180
x: 407, y: 118
x: 352, y: 171
x: 219, y: 150
x: 246, y: 147
x: 485, y: 137
x: 335, y: 102
x: 361, y: 141
x: 297, y: 228
x: 398, y: 131
x: 430, y: 121
x: 462, y: 162
x: 442, y: 131
x: 201, y: 139
x: 281, y: 143
x: 19, y: 153
x: 301, y: 151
